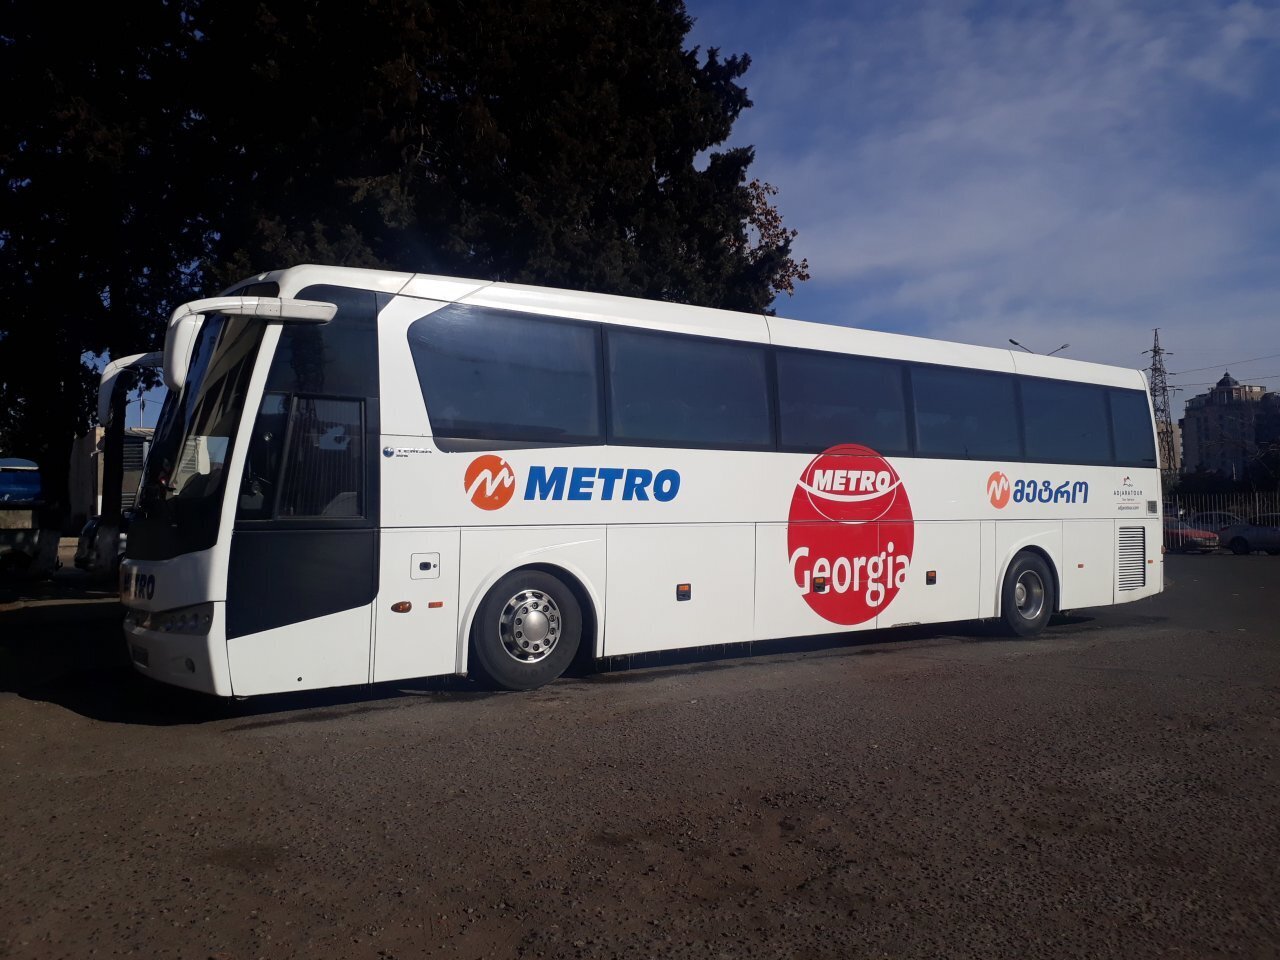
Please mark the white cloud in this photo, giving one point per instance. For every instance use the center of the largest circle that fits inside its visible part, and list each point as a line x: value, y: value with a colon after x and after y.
x: 1081, y: 172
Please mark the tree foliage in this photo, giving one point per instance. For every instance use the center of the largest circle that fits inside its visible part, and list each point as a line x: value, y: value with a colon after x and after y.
x: 164, y: 149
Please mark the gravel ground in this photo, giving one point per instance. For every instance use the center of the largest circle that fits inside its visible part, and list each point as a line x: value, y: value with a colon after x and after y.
x: 1109, y: 790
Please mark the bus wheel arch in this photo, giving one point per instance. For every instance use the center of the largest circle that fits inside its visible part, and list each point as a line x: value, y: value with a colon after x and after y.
x: 586, y: 603
x: 530, y: 626
x: 1030, y: 592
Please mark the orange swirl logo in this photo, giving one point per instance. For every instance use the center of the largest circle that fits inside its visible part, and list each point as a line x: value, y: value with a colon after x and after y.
x: 998, y: 490
x: 489, y: 482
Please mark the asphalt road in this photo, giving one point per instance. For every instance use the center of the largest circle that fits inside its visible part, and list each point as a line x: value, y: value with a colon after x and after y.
x: 1108, y: 790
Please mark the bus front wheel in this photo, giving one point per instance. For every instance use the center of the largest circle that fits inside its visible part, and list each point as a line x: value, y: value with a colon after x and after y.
x: 526, y: 631
x: 1027, y: 597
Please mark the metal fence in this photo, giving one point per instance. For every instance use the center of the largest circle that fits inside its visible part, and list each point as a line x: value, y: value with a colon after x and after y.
x: 1246, y: 506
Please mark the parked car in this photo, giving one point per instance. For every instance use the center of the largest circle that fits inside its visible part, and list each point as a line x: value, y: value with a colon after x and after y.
x: 1215, y: 520
x: 27, y: 546
x: 1182, y: 537
x: 1258, y: 533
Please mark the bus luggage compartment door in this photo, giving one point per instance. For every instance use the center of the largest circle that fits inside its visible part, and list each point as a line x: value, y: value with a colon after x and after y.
x: 419, y: 568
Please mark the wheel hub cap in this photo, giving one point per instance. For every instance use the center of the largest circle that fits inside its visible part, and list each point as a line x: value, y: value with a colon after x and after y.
x: 1028, y: 594
x: 529, y: 626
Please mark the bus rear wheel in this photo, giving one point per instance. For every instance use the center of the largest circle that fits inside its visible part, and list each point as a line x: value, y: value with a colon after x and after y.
x: 1027, y: 597
x: 526, y: 631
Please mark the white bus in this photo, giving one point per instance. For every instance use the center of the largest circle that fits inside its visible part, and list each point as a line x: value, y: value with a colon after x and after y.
x: 373, y: 476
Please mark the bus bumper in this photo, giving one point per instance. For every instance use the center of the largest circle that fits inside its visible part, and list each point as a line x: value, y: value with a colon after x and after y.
x: 194, y: 661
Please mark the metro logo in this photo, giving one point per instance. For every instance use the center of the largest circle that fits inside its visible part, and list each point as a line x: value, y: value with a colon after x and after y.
x: 489, y: 482
x: 850, y: 485
x: 998, y: 490
x: 850, y: 534
x: 601, y: 483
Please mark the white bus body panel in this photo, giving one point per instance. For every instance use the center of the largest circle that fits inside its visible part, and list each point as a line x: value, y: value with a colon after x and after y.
x: 646, y: 564
x: 403, y: 410
x: 953, y: 551
x: 1088, y: 563
x: 329, y: 651
x: 419, y: 567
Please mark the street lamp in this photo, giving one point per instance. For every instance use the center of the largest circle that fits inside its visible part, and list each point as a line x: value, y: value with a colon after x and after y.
x: 1029, y: 350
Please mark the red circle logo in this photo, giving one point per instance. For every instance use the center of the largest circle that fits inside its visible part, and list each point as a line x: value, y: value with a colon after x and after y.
x: 850, y: 534
x: 489, y: 482
x: 998, y: 490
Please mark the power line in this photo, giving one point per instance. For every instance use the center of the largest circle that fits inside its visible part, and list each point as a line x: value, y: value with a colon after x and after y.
x: 1222, y: 366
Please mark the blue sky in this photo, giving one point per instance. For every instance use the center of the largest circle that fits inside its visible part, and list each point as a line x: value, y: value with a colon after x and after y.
x: 1057, y: 173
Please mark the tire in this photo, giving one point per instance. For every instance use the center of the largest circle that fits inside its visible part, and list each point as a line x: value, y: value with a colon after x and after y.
x: 1239, y: 546
x: 510, y: 655
x: 1032, y: 574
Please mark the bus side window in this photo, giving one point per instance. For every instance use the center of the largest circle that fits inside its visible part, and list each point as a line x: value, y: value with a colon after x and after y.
x: 305, y: 460
x: 262, y: 463
x: 673, y: 391
x: 1131, y: 423
x: 324, y: 463
x: 826, y: 399
x: 1065, y: 422
x: 965, y: 414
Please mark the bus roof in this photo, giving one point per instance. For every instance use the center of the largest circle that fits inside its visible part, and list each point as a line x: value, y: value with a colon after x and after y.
x: 704, y: 321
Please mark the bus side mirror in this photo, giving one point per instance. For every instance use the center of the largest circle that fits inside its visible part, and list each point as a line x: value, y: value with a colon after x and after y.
x: 179, y: 341
x: 184, y: 325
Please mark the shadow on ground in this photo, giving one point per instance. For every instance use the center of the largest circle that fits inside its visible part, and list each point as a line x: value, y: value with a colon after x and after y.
x: 61, y: 643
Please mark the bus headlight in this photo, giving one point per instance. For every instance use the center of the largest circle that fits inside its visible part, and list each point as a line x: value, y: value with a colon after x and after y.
x: 188, y: 620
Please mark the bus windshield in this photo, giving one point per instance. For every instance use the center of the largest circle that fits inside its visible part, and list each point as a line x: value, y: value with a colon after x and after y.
x: 181, y: 497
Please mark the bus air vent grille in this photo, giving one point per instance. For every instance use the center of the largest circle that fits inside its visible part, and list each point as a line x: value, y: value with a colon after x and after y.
x: 1131, y: 559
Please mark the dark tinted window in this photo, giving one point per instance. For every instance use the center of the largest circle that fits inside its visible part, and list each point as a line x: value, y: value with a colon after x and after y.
x: 684, y: 392
x: 338, y: 357
x: 1065, y: 422
x: 263, y: 460
x: 965, y: 414
x: 826, y: 399
x: 324, y: 460
x: 493, y: 374
x: 306, y: 459
x: 1131, y: 421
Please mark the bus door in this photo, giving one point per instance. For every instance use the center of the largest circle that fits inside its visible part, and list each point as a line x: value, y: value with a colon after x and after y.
x: 303, y: 566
